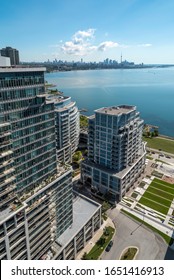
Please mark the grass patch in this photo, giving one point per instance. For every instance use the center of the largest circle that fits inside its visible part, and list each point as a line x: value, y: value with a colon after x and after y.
x: 104, y: 216
x: 162, y: 193
x: 167, y: 238
x: 163, y: 186
x: 156, y: 198
x: 157, y: 143
x: 98, y: 248
x: 129, y: 254
x: 149, y: 157
x: 153, y: 205
x: 164, y: 183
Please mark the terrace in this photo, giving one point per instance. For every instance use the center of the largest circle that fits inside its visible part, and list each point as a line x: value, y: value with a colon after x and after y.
x: 45, y: 183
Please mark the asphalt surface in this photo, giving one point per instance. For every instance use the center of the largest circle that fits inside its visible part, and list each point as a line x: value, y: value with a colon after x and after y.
x: 130, y: 233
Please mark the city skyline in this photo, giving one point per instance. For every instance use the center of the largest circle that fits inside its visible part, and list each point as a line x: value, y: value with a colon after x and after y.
x: 140, y: 31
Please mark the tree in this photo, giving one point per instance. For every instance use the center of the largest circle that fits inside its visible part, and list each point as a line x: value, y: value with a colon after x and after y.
x: 85, y: 256
x: 101, y: 241
x: 77, y: 156
x: 156, y: 132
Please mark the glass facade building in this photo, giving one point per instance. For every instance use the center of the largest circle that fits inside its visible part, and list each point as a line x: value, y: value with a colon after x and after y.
x: 116, y: 153
x: 35, y: 191
x: 67, y: 127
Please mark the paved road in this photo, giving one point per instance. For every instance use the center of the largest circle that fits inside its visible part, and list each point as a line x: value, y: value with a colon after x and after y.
x: 130, y: 233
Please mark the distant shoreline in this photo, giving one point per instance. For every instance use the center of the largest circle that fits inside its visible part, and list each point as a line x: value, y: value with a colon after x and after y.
x: 66, y: 69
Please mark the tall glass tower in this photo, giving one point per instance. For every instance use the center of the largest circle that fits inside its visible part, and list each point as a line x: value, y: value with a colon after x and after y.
x: 67, y: 126
x: 116, y: 153
x: 35, y: 192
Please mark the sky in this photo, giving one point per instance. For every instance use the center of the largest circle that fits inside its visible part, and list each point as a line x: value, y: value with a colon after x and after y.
x: 141, y: 31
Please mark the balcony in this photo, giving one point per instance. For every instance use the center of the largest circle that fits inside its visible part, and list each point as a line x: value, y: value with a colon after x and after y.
x: 39, y: 232
x: 38, y: 247
x: 9, y: 180
x: 39, y: 205
x: 35, y: 222
x: 7, y: 190
x: 4, y: 154
x: 7, y: 162
x: 50, y: 179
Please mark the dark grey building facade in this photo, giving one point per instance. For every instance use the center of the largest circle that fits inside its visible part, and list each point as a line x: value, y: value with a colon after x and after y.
x: 13, y: 54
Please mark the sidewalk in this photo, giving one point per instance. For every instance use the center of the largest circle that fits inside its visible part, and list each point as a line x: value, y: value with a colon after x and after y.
x: 95, y: 238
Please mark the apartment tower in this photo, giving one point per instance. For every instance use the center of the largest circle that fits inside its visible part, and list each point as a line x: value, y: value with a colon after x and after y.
x: 67, y: 126
x: 35, y: 190
x: 12, y: 53
x: 116, y: 153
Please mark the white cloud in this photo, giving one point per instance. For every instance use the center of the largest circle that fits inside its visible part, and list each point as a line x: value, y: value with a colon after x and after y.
x: 82, y: 43
x: 107, y: 45
x: 83, y: 36
x: 73, y: 48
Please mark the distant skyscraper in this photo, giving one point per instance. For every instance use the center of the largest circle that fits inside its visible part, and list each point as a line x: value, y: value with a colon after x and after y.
x: 13, y: 54
x: 116, y: 153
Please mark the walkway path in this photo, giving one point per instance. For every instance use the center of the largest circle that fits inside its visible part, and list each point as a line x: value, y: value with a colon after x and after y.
x: 95, y: 238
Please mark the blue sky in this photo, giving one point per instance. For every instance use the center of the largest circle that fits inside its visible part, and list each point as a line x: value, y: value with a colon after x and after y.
x: 142, y: 30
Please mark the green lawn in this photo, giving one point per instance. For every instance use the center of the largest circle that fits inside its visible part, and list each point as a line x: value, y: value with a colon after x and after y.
x: 159, y: 192
x: 129, y: 254
x: 163, y: 183
x: 158, y: 196
x: 153, y: 205
x: 96, y: 251
x: 160, y: 143
x: 163, y: 186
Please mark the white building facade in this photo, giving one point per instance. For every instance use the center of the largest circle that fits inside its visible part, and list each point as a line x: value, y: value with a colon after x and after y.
x: 67, y: 127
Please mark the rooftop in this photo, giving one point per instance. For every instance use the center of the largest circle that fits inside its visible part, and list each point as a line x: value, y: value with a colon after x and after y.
x: 61, y: 103
x: 116, y: 110
x: 83, y: 209
x: 21, y: 69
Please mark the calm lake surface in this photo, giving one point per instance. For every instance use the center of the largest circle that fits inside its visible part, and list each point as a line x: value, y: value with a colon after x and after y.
x: 151, y: 90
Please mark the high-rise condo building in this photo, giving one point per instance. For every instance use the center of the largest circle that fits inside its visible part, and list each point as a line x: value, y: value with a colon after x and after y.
x: 35, y: 191
x: 67, y: 127
x: 40, y: 217
x: 116, y: 153
x: 13, y: 54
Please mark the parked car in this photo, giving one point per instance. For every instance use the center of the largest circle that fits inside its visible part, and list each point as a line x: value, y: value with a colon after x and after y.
x: 108, y: 248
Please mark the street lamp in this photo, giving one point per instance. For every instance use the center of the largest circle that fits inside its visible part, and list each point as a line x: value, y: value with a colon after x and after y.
x: 139, y: 224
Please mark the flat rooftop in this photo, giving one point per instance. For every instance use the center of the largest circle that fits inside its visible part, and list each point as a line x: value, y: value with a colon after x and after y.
x: 21, y: 69
x: 83, y: 209
x: 116, y: 110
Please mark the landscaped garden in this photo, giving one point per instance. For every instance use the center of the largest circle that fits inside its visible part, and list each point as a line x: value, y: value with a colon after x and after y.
x: 158, y: 196
x: 129, y: 253
x: 100, y: 245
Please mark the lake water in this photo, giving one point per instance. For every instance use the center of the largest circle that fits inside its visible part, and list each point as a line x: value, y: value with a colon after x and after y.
x: 151, y: 90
